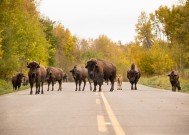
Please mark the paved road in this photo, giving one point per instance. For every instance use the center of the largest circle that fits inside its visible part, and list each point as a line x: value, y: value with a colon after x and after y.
x: 146, y: 111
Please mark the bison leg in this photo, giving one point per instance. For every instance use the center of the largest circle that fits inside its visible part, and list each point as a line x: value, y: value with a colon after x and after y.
x: 100, y: 89
x: 60, y: 85
x: 31, y: 86
x: 112, y: 86
x: 80, y: 81
x: 90, y: 84
x: 37, y: 85
x: 135, y: 86
x: 84, y: 81
x: 48, y: 85
x: 52, y: 86
x: 173, y: 88
x: 95, y: 84
x: 131, y: 86
x: 178, y: 86
x: 76, y: 82
x: 42, y: 88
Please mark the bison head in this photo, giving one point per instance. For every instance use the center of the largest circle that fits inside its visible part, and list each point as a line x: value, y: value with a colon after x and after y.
x: 75, y: 72
x: 33, y: 66
x: 20, y: 76
x: 92, y: 67
x: 49, y: 74
x: 132, y: 75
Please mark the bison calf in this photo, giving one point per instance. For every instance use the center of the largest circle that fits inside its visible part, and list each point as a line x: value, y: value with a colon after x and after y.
x: 174, y: 80
x: 17, y: 80
x: 133, y: 75
x: 80, y: 74
x: 119, y: 82
x: 53, y: 75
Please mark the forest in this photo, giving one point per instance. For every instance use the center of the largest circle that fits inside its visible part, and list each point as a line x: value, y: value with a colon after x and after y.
x: 161, y: 44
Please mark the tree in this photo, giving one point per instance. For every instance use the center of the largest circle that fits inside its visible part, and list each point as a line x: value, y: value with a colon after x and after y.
x: 144, y: 31
x: 48, y: 28
x: 23, y: 38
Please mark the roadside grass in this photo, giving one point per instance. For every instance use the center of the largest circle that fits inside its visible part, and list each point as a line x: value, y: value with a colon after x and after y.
x: 6, y: 87
x: 163, y: 82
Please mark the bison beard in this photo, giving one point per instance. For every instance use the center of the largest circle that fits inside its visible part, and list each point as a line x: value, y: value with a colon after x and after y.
x: 100, y: 70
x: 36, y: 74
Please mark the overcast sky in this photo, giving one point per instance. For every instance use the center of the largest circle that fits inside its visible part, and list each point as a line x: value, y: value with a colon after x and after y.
x: 91, y: 18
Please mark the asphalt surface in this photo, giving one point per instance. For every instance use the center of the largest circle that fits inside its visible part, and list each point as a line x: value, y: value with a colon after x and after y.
x: 146, y: 111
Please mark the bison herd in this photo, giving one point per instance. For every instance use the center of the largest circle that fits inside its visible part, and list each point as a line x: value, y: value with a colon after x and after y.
x: 95, y: 70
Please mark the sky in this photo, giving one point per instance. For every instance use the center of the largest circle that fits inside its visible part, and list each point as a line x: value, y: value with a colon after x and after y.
x: 91, y: 18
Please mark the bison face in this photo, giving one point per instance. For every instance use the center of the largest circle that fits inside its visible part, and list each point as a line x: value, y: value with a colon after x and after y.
x: 33, y: 66
x: 49, y: 75
x: 132, y: 75
x: 75, y: 72
x: 92, y: 67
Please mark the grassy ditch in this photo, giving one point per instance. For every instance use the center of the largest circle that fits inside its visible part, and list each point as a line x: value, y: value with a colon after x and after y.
x: 6, y: 87
x: 162, y: 82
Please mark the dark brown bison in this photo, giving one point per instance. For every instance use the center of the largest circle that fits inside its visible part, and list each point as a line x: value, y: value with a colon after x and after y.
x: 54, y: 74
x: 25, y: 81
x: 100, y: 70
x: 80, y: 74
x: 119, y: 82
x: 17, y: 80
x: 65, y: 77
x: 133, y: 75
x: 174, y: 80
x: 37, y: 75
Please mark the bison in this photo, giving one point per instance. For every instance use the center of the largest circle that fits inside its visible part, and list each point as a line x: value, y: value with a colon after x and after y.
x: 133, y: 75
x: 65, y: 77
x: 17, y: 80
x: 100, y: 70
x: 119, y: 82
x: 37, y: 75
x: 54, y: 74
x: 25, y: 81
x: 80, y: 74
x: 174, y: 80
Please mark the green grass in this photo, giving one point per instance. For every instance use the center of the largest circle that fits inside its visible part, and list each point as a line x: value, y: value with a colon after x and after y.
x: 163, y: 82
x: 6, y: 87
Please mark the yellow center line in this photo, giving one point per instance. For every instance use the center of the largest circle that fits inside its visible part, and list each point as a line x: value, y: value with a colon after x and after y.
x: 115, y: 123
x: 97, y: 101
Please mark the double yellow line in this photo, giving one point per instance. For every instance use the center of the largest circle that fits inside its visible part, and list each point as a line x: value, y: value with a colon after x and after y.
x: 101, y: 121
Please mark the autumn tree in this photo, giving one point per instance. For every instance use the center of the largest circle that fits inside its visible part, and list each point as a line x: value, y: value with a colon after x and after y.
x: 64, y: 47
x: 23, y: 38
x: 144, y: 31
x: 48, y: 28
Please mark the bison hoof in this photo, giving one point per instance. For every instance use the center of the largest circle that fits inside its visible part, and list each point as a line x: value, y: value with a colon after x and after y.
x: 94, y: 90
x: 31, y: 92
